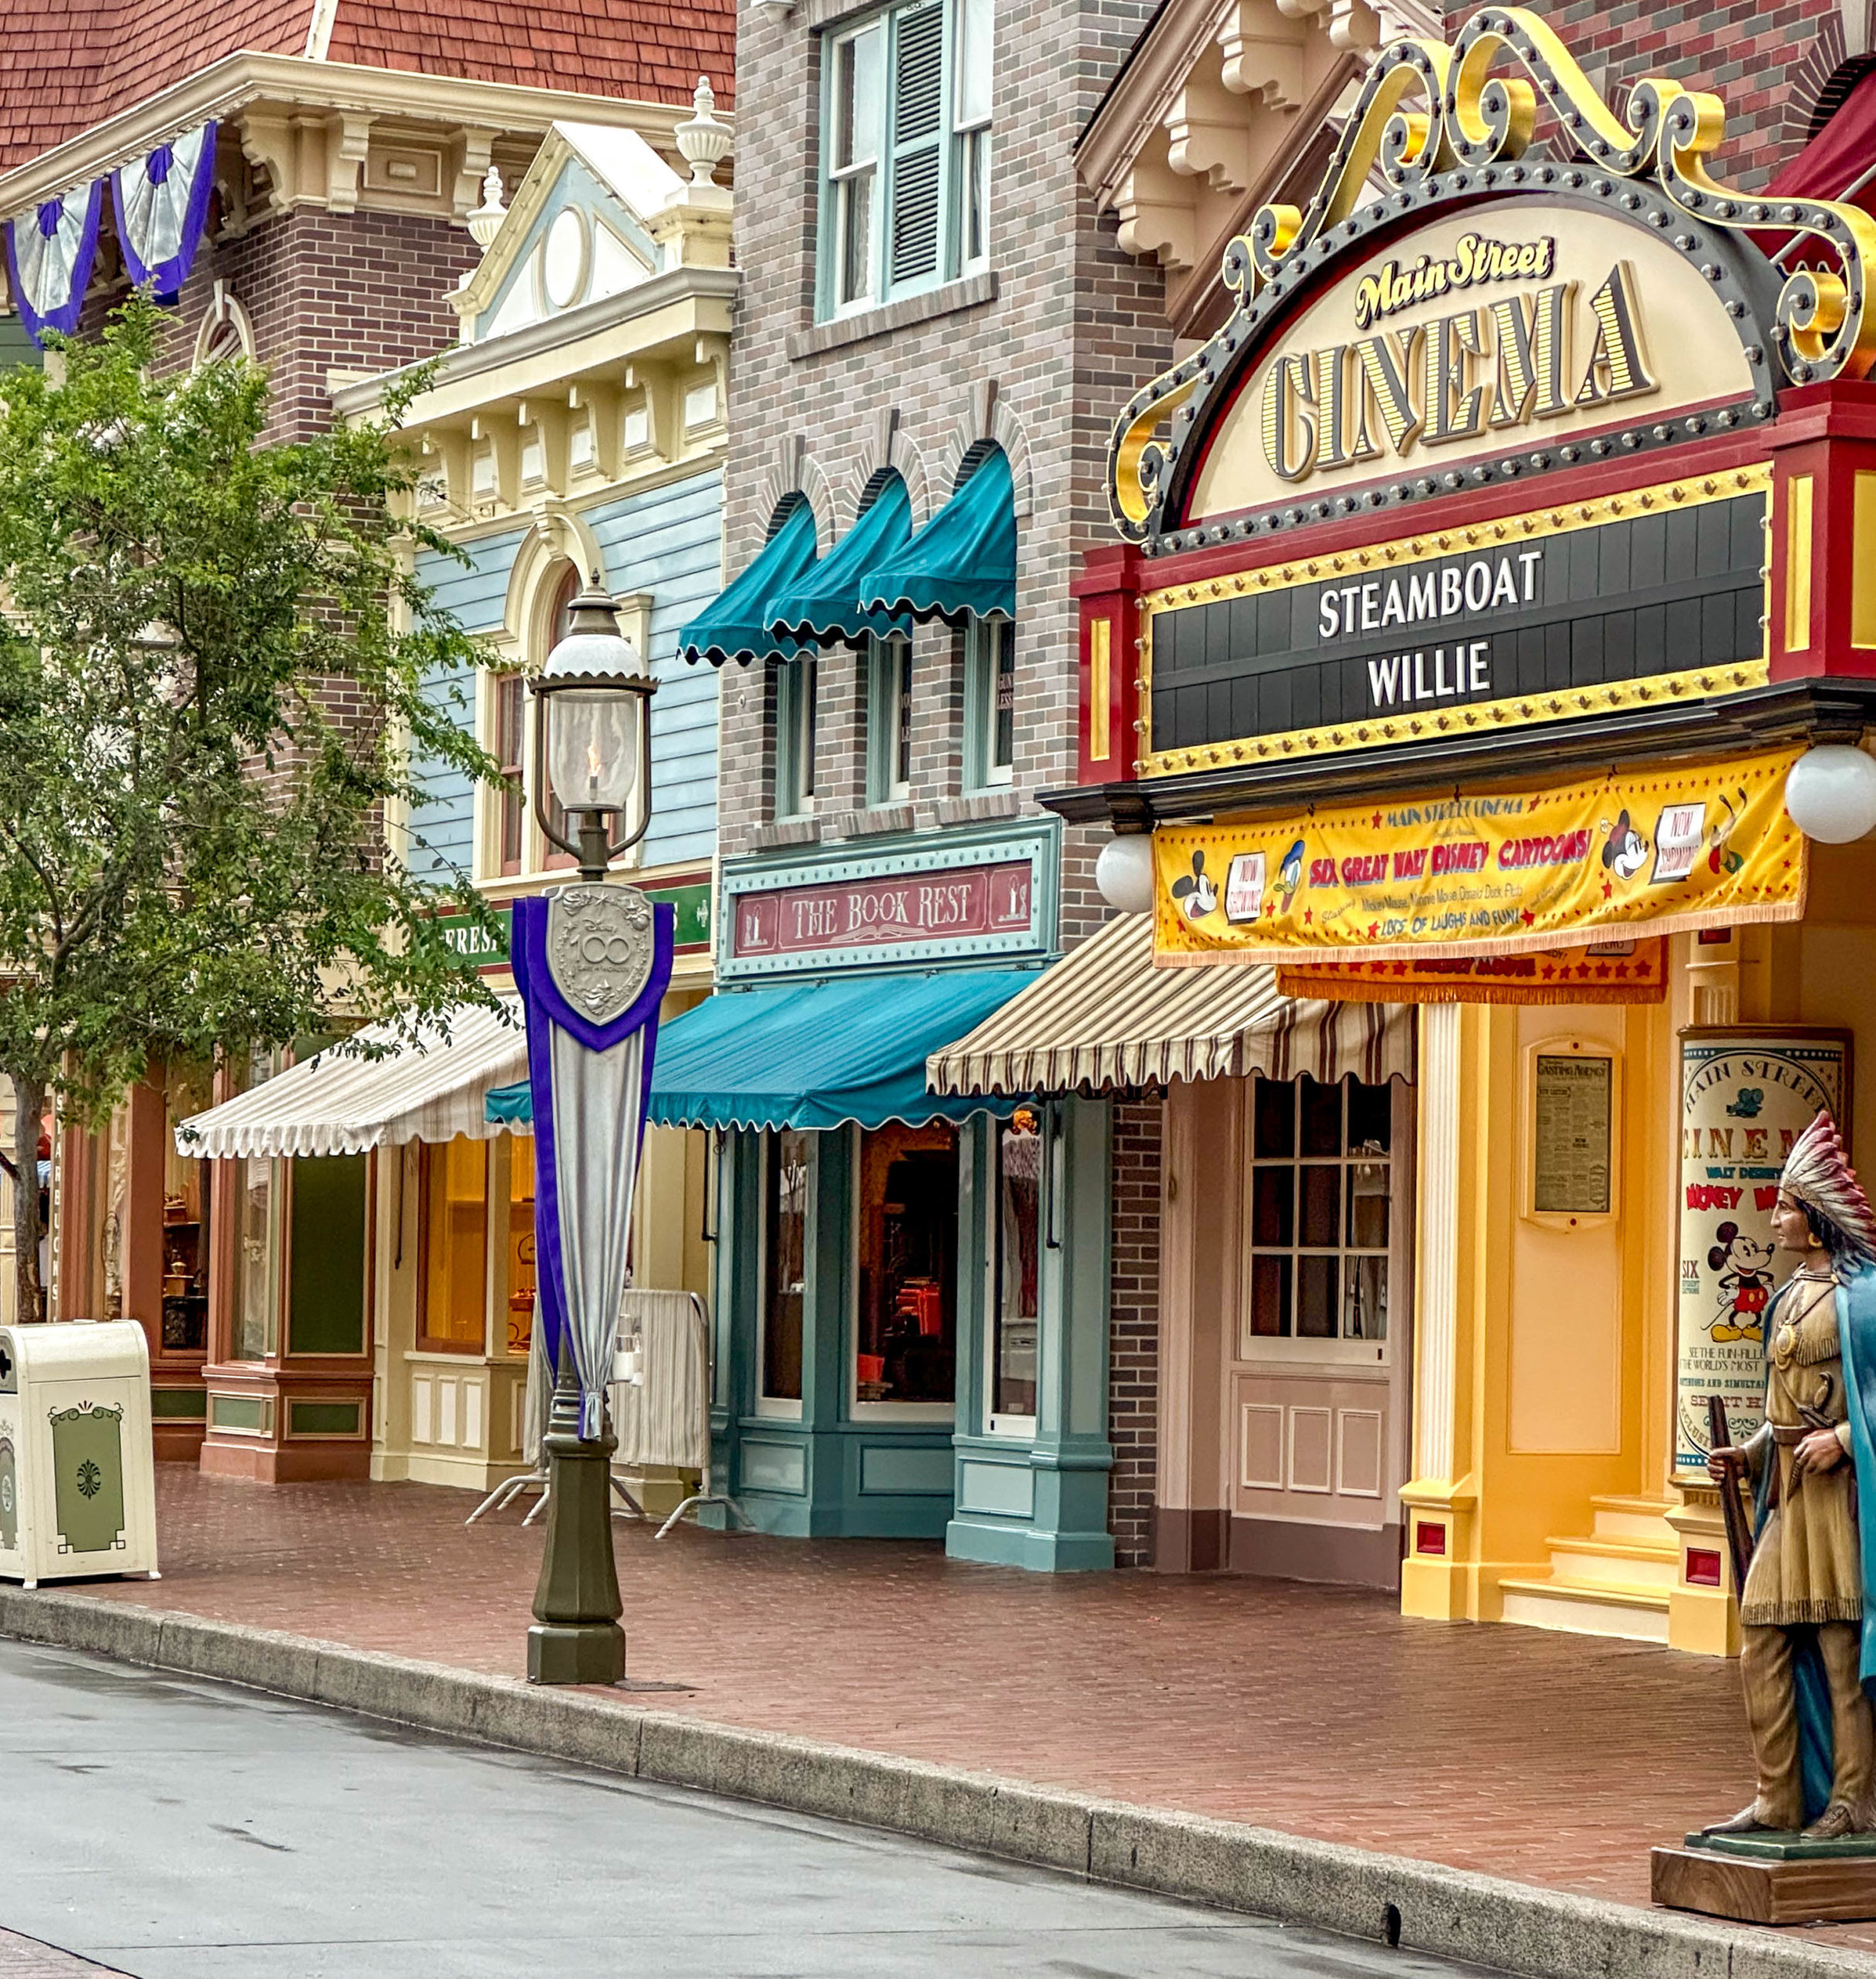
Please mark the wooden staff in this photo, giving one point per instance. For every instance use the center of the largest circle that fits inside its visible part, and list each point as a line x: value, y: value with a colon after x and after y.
x: 1738, y: 1537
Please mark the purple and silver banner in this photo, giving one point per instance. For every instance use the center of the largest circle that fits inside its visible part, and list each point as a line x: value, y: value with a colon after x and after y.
x: 592, y: 962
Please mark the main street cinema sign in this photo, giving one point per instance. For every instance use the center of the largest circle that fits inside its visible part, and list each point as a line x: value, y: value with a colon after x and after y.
x: 1496, y: 312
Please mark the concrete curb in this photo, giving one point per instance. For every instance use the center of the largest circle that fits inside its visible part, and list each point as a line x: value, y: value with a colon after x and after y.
x: 1422, y: 1906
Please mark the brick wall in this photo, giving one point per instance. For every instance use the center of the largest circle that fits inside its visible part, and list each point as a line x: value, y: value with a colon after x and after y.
x: 1074, y: 327
x: 1133, y: 1347
x: 1765, y: 62
x: 357, y: 292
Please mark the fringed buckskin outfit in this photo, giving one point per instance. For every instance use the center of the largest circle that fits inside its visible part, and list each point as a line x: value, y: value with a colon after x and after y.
x: 1806, y: 1570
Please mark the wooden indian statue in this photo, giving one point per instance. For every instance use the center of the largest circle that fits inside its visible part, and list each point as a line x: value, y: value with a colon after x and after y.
x: 1808, y: 1640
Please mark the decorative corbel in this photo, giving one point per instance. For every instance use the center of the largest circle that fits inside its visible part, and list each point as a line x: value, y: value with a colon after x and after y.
x: 1158, y: 214
x: 348, y: 138
x: 604, y: 407
x: 267, y: 145
x: 550, y: 420
x: 1208, y: 136
x: 470, y: 154
x: 1263, y: 53
x: 504, y: 438
x: 451, y: 447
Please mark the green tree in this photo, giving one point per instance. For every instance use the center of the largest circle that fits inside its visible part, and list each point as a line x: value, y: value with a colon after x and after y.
x: 210, y: 669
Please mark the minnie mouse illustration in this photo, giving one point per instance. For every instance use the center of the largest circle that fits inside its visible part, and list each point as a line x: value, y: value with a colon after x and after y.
x: 1745, y: 1283
x: 1625, y: 851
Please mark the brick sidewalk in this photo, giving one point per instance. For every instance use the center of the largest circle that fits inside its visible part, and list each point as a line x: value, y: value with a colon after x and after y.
x: 26, y: 1958
x: 1554, y: 1760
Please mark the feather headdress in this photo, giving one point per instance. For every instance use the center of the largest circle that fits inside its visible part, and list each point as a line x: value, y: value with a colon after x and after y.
x: 1818, y: 1173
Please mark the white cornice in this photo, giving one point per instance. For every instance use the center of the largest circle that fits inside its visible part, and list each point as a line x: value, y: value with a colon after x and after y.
x: 469, y: 375
x: 241, y: 81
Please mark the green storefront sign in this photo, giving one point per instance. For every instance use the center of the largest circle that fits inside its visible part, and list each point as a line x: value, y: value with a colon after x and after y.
x: 692, y: 902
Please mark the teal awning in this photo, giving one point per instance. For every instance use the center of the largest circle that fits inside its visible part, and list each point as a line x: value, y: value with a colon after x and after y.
x: 963, y: 562
x: 814, y: 1054
x: 733, y: 626
x: 824, y: 604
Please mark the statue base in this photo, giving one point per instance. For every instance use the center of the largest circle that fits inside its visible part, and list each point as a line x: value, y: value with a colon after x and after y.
x: 1768, y: 1878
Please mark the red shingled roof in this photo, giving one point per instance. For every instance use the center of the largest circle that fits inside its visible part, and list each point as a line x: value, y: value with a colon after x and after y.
x: 65, y: 65
x: 651, y: 49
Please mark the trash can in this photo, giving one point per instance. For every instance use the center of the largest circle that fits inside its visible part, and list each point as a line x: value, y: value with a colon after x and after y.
x: 77, y: 1479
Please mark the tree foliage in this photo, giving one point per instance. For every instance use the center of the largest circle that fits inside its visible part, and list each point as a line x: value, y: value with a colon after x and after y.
x: 211, y: 676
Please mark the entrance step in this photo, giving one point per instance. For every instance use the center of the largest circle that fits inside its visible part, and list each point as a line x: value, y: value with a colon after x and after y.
x: 1614, y: 1581
x: 1586, y: 1608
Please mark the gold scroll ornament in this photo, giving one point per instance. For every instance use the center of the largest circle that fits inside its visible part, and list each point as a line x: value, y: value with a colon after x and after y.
x: 1651, y: 852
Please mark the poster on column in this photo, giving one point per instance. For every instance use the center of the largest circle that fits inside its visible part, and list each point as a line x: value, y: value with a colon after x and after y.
x: 1745, y: 1096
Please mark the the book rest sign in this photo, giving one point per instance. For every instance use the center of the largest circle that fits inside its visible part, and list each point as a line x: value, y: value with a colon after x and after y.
x: 906, y: 909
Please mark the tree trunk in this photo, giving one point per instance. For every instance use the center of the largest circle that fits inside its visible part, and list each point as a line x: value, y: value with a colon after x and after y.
x: 28, y: 1104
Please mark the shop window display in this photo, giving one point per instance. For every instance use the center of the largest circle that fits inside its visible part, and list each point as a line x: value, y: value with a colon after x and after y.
x: 785, y: 1237
x: 520, y: 1243
x: 1016, y: 1239
x: 256, y: 1257
x: 905, y: 1337
x: 185, y: 1226
x: 1321, y: 1178
x: 454, y: 1245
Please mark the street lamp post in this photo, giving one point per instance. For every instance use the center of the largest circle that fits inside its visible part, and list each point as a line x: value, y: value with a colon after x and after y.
x: 591, y: 961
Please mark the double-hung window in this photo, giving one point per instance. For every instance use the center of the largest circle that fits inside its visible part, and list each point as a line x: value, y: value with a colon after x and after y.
x: 889, y: 719
x: 989, y: 702
x: 795, y: 683
x: 905, y: 178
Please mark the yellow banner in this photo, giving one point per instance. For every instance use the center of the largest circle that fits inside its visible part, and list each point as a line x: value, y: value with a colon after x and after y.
x: 1600, y: 972
x: 1652, y: 852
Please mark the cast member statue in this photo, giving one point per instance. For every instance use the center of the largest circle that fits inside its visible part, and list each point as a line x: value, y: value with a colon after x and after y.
x: 1809, y: 1639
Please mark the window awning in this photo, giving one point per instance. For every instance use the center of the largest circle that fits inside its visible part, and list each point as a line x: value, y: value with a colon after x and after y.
x: 813, y: 1054
x: 339, y: 1103
x: 824, y: 604
x: 733, y: 626
x: 963, y: 562
x: 1106, y: 1017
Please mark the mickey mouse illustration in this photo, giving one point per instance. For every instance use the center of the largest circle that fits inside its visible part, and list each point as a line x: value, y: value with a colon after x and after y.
x: 1196, y: 892
x: 1625, y: 851
x: 1745, y: 1283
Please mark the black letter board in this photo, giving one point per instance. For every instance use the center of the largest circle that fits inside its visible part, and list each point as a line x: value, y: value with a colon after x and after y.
x: 1667, y: 593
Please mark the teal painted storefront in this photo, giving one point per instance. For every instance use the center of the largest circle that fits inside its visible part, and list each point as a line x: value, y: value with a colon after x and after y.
x: 1027, y: 1491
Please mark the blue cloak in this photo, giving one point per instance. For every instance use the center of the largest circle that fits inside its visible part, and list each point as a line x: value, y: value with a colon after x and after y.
x: 1856, y: 1312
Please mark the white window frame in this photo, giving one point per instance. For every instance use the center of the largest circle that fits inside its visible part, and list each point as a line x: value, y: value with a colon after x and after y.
x: 778, y: 1407
x: 962, y: 147
x: 797, y: 698
x: 985, y: 640
x: 1017, y: 1428
x: 1339, y: 1350
x: 889, y: 715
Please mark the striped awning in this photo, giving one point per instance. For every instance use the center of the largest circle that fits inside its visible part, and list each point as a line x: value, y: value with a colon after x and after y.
x: 337, y: 1102
x: 1105, y: 1017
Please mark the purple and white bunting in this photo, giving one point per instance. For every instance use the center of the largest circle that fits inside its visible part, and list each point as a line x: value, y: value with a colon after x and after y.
x: 162, y: 203
x: 48, y: 256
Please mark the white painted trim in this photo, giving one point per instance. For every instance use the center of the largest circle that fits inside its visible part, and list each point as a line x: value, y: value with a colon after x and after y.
x: 319, y: 29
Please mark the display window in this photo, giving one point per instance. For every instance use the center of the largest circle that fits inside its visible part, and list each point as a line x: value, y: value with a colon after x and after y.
x: 259, y: 1182
x: 1320, y: 1221
x: 520, y: 1243
x: 453, y: 1308
x: 1012, y: 1253
x: 784, y: 1271
x: 186, y: 1224
x: 906, y: 1289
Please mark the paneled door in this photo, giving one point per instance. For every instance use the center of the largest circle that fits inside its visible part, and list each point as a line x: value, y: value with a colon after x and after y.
x: 1316, y: 1383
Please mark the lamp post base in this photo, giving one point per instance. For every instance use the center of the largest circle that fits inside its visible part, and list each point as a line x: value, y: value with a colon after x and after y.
x: 581, y: 1652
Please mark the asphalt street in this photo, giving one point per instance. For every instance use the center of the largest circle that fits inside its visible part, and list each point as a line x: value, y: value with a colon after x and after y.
x: 176, y: 1829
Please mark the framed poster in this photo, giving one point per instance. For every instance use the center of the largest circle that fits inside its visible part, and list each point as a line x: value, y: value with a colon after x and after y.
x: 1746, y: 1094
x: 1573, y: 1132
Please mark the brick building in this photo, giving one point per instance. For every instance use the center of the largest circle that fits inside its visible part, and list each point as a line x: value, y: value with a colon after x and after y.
x: 934, y: 328
x: 340, y: 147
